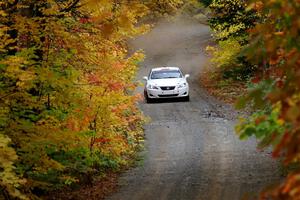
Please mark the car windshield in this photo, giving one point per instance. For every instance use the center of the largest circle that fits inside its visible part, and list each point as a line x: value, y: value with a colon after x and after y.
x: 166, y: 74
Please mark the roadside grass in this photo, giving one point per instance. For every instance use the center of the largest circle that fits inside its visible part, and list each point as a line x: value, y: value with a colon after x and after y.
x: 226, y: 90
x: 94, y: 190
x: 98, y: 187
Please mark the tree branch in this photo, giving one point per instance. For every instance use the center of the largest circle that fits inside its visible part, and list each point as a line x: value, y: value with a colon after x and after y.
x: 10, y: 5
x: 71, y: 6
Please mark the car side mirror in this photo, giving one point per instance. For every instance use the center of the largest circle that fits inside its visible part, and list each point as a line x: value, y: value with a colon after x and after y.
x: 145, y: 78
x: 187, y: 75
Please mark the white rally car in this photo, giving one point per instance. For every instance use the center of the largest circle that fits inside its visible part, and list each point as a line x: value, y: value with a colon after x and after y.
x: 166, y: 82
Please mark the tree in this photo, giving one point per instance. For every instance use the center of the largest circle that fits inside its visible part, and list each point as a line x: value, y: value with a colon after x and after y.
x: 164, y: 7
x: 66, y: 106
x: 231, y: 18
x: 229, y: 22
x: 206, y: 2
x: 275, y: 50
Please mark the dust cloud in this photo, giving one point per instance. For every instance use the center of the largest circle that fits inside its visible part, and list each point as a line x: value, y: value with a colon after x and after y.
x: 172, y: 43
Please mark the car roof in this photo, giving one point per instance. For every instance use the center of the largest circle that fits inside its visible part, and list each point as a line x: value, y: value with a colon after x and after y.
x: 164, y: 68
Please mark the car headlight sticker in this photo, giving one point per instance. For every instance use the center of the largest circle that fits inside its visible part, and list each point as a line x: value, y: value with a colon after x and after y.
x: 153, y: 87
x: 182, y: 85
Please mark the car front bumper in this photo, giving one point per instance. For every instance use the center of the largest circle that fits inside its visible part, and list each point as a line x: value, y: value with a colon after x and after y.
x: 158, y: 93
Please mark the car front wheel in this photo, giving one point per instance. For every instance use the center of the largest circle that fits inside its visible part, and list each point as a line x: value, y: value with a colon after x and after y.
x: 147, y: 99
x: 187, y: 98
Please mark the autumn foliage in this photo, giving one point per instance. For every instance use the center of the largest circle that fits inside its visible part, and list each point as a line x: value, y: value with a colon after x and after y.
x: 275, y: 49
x: 68, y: 111
x: 230, y: 22
x: 269, y: 42
x: 67, y: 108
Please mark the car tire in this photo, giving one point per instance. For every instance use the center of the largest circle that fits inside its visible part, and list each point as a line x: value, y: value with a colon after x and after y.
x: 187, y: 98
x: 147, y: 99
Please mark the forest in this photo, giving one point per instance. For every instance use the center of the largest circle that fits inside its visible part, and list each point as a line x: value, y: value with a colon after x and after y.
x: 68, y: 110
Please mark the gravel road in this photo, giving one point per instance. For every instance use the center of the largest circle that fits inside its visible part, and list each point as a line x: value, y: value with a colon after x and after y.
x: 191, y: 151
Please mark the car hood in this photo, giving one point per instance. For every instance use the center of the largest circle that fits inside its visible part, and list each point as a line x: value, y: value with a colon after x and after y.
x: 167, y: 82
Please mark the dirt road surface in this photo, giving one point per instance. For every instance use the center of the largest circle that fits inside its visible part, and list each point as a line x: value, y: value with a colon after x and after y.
x: 191, y: 151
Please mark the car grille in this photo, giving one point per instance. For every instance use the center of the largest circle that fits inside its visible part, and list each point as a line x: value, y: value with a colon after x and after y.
x: 168, y: 95
x: 168, y: 88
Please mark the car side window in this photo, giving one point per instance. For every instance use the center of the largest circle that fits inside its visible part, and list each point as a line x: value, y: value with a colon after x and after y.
x: 149, y: 76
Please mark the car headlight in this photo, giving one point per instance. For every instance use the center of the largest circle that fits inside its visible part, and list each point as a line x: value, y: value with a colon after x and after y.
x: 153, y: 87
x: 182, y: 85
